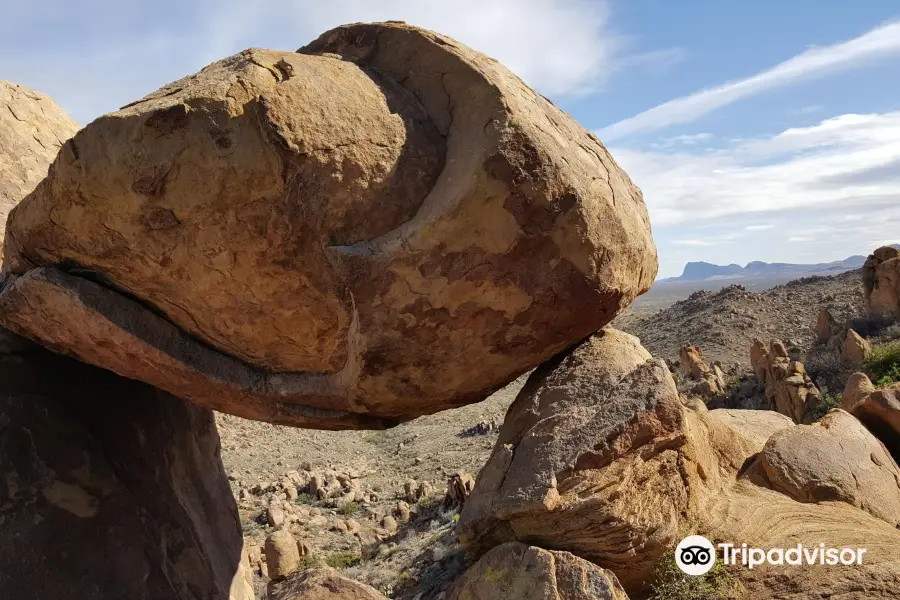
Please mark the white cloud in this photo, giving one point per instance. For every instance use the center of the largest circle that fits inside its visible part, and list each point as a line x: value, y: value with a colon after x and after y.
x: 97, y: 55
x: 851, y: 162
x: 880, y: 42
x: 759, y: 227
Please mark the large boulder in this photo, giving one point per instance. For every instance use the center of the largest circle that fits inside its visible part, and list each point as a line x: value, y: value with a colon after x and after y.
x: 598, y: 457
x: 878, y: 409
x: 789, y: 389
x: 881, y: 281
x: 32, y: 130
x: 380, y: 225
x: 520, y: 572
x: 110, y: 489
x: 855, y: 349
x: 692, y: 365
x: 834, y: 459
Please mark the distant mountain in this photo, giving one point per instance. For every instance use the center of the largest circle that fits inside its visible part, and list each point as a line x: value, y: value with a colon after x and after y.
x: 704, y: 271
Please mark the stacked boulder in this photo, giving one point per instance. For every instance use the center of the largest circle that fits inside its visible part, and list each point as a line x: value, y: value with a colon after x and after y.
x: 378, y: 226
x: 789, y: 389
x: 710, y: 380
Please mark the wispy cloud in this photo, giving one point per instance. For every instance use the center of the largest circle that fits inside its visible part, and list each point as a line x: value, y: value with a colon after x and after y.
x: 815, y: 62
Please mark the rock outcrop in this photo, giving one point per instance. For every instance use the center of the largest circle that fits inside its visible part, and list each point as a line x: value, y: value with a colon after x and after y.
x: 710, y: 380
x: 826, y: 327
x: 881, y: 281
x: 877, y: 409
x: 381, y: 225
x: 110, y: 489
x: 520, y: 572
x: 598, y: 457
x: 789, y: 389
x: 322, y: 584
x: 855, y: 349
x: 32, y: 130
x: 834, y: 459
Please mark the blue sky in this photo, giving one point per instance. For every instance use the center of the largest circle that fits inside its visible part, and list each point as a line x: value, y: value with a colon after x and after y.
x: 757, y: 130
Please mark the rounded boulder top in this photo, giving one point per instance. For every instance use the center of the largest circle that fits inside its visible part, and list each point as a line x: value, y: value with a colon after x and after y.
x: 380, y: 225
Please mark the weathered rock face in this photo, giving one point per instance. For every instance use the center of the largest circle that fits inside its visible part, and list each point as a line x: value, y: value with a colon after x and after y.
x: 834, y: 459
x: 878, y: 409
x: 381, y: 225
x: 826, y: 326
x: 710, y: 380
x: 110, y: 489
x: 598, y: 457
x: 523, y: 572
x: 855, y: 350
x: 32, y: 130
x: 788, y: 388
x: 881, y: 281
x: 322, y: 584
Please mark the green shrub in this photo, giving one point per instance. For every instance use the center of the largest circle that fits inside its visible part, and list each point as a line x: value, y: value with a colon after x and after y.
x: 350, y: 508
x: 670, y: 583
x: 828, y: 402
x: 342, y: 560
x: 883, y: 364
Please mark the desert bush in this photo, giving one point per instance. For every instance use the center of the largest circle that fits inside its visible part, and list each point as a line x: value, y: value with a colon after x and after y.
x: 349, y: 508
x: 869, y: 325
x: 342, y: 560
x: 825, y: 368
x: 883, y: 364
x: 670, y: 583
x: 827, y: 402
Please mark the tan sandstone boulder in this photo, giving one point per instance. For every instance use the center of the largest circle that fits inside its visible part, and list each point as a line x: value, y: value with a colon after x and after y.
x: 878, y: 409
x: 834, y: 459
x: 855, y: 350
x: 598, y: 457
x: 322, y: 584
x: 282, y: 554
x: 380, y: 225
x: 881, y: 281
x: 32, y: 130
x: 515, y: 571
x: 789, y: 389
x: 110, y: 489
x: 692, y: 365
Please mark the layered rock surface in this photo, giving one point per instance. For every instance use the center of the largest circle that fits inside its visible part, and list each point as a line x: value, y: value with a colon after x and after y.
x: 381, y: 225
x: 110, y: 489
x: 32, y: 130
x: 598, y: 457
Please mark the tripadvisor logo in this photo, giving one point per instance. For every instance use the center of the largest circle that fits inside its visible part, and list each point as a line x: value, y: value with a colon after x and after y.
x: 696, y: 555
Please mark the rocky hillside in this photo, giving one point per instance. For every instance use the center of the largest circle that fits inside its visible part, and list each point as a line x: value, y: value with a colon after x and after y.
x: 725, y: 323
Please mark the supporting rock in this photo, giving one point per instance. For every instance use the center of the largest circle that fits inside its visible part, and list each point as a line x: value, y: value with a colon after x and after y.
x: 110, y: 489
x: 789, y: 389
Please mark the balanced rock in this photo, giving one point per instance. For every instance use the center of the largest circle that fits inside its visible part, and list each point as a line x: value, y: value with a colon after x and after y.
x: 381, y: 225
x: 881, y: 281
x: 598, y: 457
x: 322, y: 584
x: 110, y: 489
x: 32, y: 130
x: 834, y: 459
x: 789, y: 389
x: 520, y: 572
x: 855, y: 350
x: 858, y: 386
